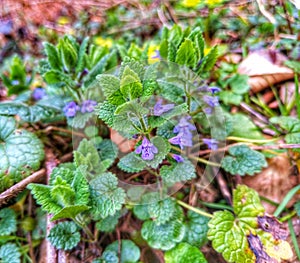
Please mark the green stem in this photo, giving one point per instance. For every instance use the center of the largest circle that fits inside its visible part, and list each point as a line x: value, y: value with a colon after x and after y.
x: 239, y: 139
x: 194, y: 209
x: 297, y: 96
x: 288, y: 216
x: 217, y: 206
x: 78, y: 221
x: 294, y: 238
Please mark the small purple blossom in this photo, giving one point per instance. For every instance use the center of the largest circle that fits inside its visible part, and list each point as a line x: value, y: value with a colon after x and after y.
x: 211, y: 143
x: 214, y: 89
x: 159, y: 109
x: 38, y: 93
x: 178, y: 158
x: 147, y: 149
x: 15, y: 82
x: 211, y: 101
x: 184, y: 126
x: 182, y: 140
x: 71, y: 109
x: 88, y: 106
x: 157, y: 54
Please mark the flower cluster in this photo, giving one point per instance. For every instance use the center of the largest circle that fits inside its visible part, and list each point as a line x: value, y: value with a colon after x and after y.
x: 147, y: 149
x: 159, y: 108
x: 211, y: 143
x: 211, y: 102
x: 184, y: 135
x: 71, y: 109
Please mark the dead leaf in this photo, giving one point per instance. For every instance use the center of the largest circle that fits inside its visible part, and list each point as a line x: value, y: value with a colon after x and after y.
x: 271, y: 225
x: 265, y: 68
x: 274, y: 182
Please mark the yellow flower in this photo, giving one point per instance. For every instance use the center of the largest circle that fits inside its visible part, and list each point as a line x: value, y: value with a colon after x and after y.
x: 152, y: 53
x: 212, y: 3
x: 63, y: 20
x: 104, y: 42
x: 191, y: 3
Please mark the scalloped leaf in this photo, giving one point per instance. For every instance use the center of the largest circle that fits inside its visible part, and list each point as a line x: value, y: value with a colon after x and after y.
x: 163, y: 236
x: 106, y: 196
x: 184, y: 253
x: 243, y: 160
x: 9, y: 253
x: 8, y: 222
x: 130, y: 252
x: 108, y: 152
x: 130, y: 163
x: 64, y: 235
x: 106, y: 112
x: 229, y: 233
x: 107, y: 257
x: 108, y: 224
x: 178, y: 172
x: 186, y: 54
x: 161, y: 211
x: 196, y: 229
x: 70, y: 212
x: 21, y: 153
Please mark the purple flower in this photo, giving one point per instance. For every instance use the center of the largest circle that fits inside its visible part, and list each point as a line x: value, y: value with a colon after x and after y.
x: 147, y: 149
x: 184, y: 127
x: 38, y: 93
x: 214, y: 89
x: 159, y: 109
x: 178, y: 158
x: 71, y: 109
x: 211, y: 143
x: 88, y: 106
x: 157, y: 54
x: 211, y: 101
x: 182, y: 140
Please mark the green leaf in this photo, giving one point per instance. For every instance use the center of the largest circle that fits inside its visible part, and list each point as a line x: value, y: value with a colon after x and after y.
x: 297, y: 208
x: 108, y: 224
x: 294, y: 65
x: 243, y: 160
x: 175, y: 35
x: 196, y: 229
x: 161, y: 211
x: 242, y: 126
x: 209, y: 60
x: 171, y: 52
x: 21, y: 152
x: 291, y: 124
x: 107, y: 257
x: 68, y: 53
x: 163, y: 49
x: 130, y: 85
x: 130, y: 253
x: 39, y: 232
x: 9, y: 253
x: 239, y: 84
x: 64, y: 235
x: 108, y: 152
x: 107, y: 197
x: 87, y: 154
x: 80, y: 120
x: 171, y: 91
x: 186, y: 54
x: 70, y: 212
x: 163, y: 236
x: 8, y: 222
x: 131, y: 108
x: 178, y: 172
x: 184, y: 253
x: 81, y: 55
x: 106, y: 112
x: 42, y: 194
x: 228, y: 97
x: 53, y: 56
x: 130, y: 163
x: 111, y: 88
x: 62, y: 192
x: 229, y: 234
x: 134, y: 65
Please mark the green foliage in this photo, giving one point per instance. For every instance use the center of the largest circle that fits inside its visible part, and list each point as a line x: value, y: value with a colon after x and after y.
x: 64, y: 235
x: 297, y: 207
x: 292, y: 126
x: 21, y: 153
x: 243, y: 160
x: 107, y: 197
x: 184, y: 253
x: 131, y: 163
x: 108, y: 223
x: 196, y: 229
x: 178, y: 172
x: 107, y: 257
x: 241, y: 126
x: 9, y: 253
x: 130, y: 253
x: 15, y: 79
x: 47, y: 109
x: 164, y: 236
x: 8, y: 221
x: 185, y: 55
x: 66, y: 196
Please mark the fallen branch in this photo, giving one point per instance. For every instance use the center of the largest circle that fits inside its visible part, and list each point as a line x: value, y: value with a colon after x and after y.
x: 19, y: 187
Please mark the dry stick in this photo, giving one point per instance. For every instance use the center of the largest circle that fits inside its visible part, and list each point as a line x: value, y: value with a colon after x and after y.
x: 51, y: 253
x: 19, y: 187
